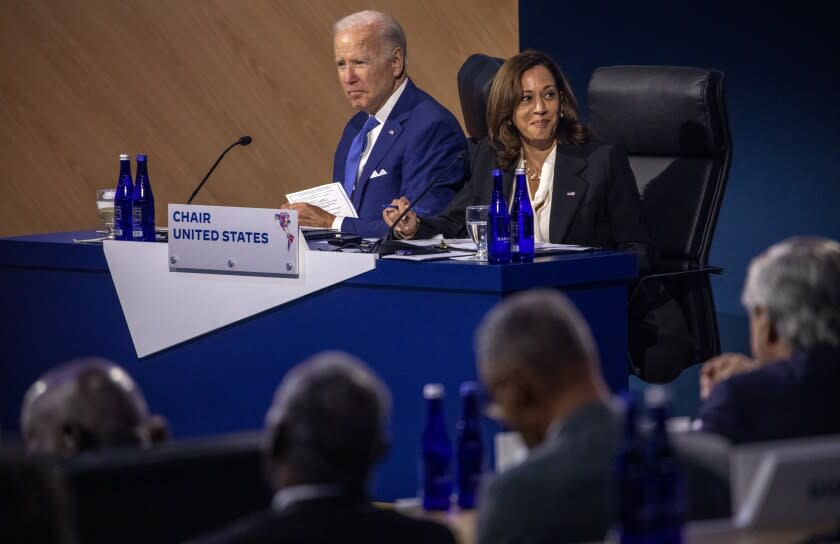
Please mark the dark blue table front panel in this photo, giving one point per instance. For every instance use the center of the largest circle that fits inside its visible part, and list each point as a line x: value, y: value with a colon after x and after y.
x: 413, y: 323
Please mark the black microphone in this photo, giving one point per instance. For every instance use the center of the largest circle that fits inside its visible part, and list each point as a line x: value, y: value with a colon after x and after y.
x: 385, y: 245
x: 245, y: 140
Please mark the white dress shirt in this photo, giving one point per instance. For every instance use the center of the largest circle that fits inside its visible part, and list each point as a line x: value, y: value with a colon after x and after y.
x: 381, y: 116
x: 305, y: 492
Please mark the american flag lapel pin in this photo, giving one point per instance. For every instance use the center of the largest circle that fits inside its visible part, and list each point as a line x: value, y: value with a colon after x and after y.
x: 391, y: 132
x: 570, y: 193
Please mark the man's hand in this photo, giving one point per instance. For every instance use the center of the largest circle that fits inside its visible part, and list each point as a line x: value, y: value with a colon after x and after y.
x: 408, y: 224
x: 311, y: 216
x: 722, y: 367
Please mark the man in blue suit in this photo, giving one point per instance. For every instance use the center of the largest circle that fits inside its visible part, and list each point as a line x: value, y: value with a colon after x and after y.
x: 400, y: 141
x: 790, y: 387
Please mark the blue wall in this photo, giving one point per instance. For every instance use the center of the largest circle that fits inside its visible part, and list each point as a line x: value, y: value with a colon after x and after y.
x: 784, y: 108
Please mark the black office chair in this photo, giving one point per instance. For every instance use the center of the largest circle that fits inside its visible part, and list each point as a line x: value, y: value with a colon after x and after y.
x: 474, y: 80
x: 672, y: 121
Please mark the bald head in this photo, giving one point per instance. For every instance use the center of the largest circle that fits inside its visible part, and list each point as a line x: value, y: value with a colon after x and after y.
x: 86, y: 404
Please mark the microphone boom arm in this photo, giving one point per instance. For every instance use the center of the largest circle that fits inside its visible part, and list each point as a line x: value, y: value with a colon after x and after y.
x: 245, y: 140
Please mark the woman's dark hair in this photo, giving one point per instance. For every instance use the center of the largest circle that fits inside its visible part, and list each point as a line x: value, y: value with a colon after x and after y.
x: 506, y: 95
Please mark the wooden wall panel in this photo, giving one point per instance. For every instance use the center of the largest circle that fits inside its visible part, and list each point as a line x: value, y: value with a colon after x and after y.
x: 85, y: 80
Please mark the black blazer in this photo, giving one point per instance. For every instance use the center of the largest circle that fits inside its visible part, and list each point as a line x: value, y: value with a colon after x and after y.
x: 331, y: 520
x: 595, y: 201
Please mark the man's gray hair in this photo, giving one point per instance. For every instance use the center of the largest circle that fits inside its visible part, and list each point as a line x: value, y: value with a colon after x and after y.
x: 389, y: 29
x: 540, y: 331
x: 330, y: 413
x: 797, y: 282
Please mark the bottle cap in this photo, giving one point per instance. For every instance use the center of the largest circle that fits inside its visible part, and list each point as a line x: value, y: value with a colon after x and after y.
x: 124, y: 156
x: 141, y: 158
x: 520, y: 171
x: 469, y: 388
x: 433, y: 391
x: 497, y: 172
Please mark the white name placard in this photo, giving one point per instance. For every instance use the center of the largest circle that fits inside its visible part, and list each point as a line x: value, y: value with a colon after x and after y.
x: 225, y: 239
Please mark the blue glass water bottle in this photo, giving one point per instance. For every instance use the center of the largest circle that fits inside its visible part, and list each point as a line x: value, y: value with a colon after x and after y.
x: 435, y: 452
x: 122, y: 200
x: 498, y: 223
x: 521, y: 222
x: 470, y: 447
x: 634, y: 505
x: 668, y: 491
x: 142, y: 204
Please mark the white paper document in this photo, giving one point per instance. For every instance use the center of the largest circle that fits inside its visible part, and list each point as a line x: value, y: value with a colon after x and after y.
x: 540, y: 248
x: 330, y: 197
x: 429, y: 256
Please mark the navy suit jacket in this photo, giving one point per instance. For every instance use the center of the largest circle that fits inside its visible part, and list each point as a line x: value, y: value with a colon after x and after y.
x: 418, y: 140
x: 783, y: 399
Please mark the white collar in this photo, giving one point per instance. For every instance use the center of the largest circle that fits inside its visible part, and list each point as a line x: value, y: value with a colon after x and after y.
x: 388, y: 106
x: 543, y: 192
x: 304, y: 492
x: 549, y: 160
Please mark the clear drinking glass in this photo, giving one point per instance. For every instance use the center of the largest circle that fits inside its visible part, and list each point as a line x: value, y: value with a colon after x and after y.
x: 105, y: 207
x: 477, y: 227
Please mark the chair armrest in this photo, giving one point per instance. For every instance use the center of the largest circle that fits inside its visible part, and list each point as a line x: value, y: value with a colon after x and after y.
x: 703, y: 270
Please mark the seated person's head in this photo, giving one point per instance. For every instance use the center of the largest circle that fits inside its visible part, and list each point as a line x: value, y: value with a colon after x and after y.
x: 509, y: 118
x: 84, y: 405
x: 792, y: 294
x: 537, y: 358
x: 326, y: 424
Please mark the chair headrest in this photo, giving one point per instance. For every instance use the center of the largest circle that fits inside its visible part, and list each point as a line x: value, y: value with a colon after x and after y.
x: 660, y: 110
x: 474, y: 81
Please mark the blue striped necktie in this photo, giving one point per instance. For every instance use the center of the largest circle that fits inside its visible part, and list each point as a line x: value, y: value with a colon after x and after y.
x: 351, y: 168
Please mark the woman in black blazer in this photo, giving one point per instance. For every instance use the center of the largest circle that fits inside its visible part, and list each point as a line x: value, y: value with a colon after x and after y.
x: 583, y: 191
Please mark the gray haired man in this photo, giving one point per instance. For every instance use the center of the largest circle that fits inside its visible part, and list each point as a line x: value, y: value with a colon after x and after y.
x: 789, y: 388
x: 537, y: 358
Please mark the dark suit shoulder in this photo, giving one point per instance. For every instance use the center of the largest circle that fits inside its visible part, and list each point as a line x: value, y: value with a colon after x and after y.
x: 561, y: 493
x: 425, y: 107
x: 361, y: 524
x: 413, y: 530
x: 770, y: 379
